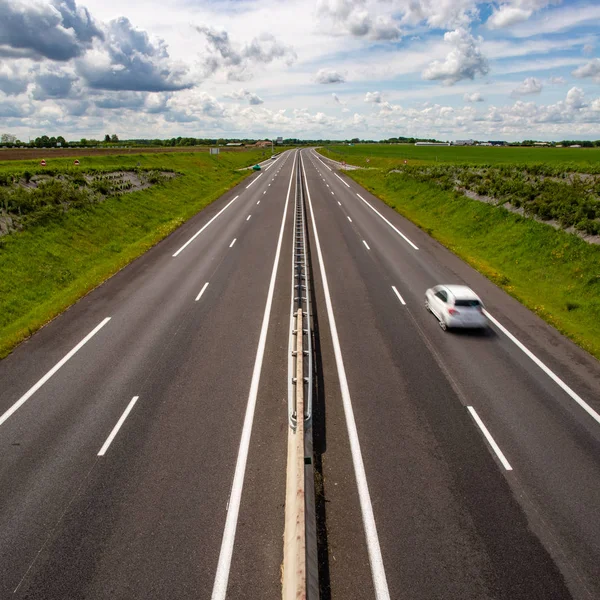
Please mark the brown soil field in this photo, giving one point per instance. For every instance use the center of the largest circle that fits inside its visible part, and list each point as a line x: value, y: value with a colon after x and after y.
x: 34, y: 153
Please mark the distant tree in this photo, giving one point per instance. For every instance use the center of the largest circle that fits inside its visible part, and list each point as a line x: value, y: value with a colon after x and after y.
x: 61, y: 140
x: 114, y: 138
x: 107, y: 138
x: 83, y: 142
x: 7, y: 138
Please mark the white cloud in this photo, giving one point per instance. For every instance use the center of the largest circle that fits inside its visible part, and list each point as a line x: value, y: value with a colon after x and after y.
x: 531, y: 85
x: 557, y: 81
x: 337, y: 100
x: 374, y: 97
x: 464, y: 61
x: 576, y: 98
x: 592, y: 69
x: 243, y: 94
x: 588, y: 49
x: 329, y: 76
x: 559, y: 19
x: 440, y: 14
x: 474, y: 97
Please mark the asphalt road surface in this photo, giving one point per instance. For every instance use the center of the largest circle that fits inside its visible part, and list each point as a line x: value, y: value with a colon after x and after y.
x: 144, y: 431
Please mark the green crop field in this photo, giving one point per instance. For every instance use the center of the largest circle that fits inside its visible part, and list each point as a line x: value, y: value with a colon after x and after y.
x: 390, y: 155
x: 55, y: 260
x: 554, y: 273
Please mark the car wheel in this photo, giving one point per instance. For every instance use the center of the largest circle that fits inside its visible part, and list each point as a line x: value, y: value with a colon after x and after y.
x: 443, y: 325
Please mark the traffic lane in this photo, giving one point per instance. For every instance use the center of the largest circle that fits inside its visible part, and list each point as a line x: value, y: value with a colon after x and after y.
x: 55, y: 435
x: 258, y: 551
x: 448, y: 523
x: 149, y: 522
x: 575, y: 366
x: 548, y: 438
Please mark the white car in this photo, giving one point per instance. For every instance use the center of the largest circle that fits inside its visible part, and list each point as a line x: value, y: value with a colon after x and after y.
x: 455, y: 306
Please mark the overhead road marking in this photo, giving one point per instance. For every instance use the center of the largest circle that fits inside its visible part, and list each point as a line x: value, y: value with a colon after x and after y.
x: 374, y: 550
x: 253, y: 182
x: 490, y: 439
x: 248, y: 217
x: 388, y: 222
x: 201, y: 291
x: 232, y: 243
x: 15, y: 407
x: 223, y: 567
x: 366, y: 245
x: 398, y: 294
x: 120, y: 422
x: 341, y: 180
x: 203, y: 228
x: 546, y: 369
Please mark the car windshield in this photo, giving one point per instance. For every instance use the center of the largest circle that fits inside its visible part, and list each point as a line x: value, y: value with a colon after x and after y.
x: 469, y: 303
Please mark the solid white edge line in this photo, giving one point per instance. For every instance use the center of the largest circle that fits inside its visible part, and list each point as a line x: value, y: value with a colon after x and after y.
x: 588, y: 409
x: 201, y: 291
x: 248, y: 217
x: 232, y: 243
x: 203, y: 228
x: 253, y: 182
x: 15, y: 407
x: 116, y: 428
x: 388, y: 222
x: 222, y: 575
x: 324, y: 164
x: 366, y: 245
x: 374, y: 550
x: 490, y: 439
x: 341, y: 180
x: 398, y: 294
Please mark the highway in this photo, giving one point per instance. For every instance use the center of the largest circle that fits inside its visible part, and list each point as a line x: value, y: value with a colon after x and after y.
x: 144, y: 431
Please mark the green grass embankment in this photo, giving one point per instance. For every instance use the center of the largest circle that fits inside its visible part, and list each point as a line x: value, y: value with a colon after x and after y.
x: 555, y: 274
x: 46, y: 268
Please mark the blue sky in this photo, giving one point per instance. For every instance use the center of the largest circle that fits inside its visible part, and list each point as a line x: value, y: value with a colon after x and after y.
x: 514, y: 69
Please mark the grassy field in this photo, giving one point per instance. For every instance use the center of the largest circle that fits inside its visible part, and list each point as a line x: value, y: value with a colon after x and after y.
x: 390, y: 155
x: 45, y: 268
x: 555, y: 274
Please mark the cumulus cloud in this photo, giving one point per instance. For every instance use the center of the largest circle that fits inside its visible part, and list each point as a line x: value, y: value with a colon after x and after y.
x: 440, y: 14
x: 53, y: 84
x: 531, y: 85
x: 58, y: 30
x: 474, y: 97
x: 464, y: 61
x: 242, y: 94
x: 592, y: 69
x: 355, y: 18
x: 374, y: 97
x: 576, y: 98
x: 237, y: 62
x: 557, y: 80
x: 13, y: 80
x: 329, y: 76
x: 128, y: 60
x: 516, y: 11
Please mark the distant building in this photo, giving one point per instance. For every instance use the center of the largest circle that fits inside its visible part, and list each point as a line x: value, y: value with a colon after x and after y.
x: 234, y: 144
x: 497, y: 143
x: 432, y: 143
x: 541, y: 144
x: 575, y: 146
x: 263, y: 144
x: 485, y: 144
x: 464, y: 143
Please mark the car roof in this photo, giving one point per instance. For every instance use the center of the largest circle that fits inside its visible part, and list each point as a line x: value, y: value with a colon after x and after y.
x: 462, y: 291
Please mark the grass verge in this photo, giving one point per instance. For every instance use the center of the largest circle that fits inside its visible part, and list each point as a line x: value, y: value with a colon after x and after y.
x: 555, y: 274
x: 46, y: 268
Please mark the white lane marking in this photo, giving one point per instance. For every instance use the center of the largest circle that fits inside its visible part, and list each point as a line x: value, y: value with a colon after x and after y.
x: 116, y: 428
x: 258, y: 202
x: 324, y: 164
x: 15, y: 407
x: 588, y: 409
x: 264, y: 192
x: 490, y: 439
x: 366, y: 245
x: 332, y: 193
x: 341, y: 180
x: 253, y: 182
x: 232, y: 243
x: 349, y: 219
x: 327, y: 184
x: 222, y: 575
x: 392, y: 226
x: 339, y: 203
x: 398, y: 294
x: 375, y: 558
x: 248, y: 217
x: 203, y: 228
x: 269, y: 185
x: 201, y: 292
